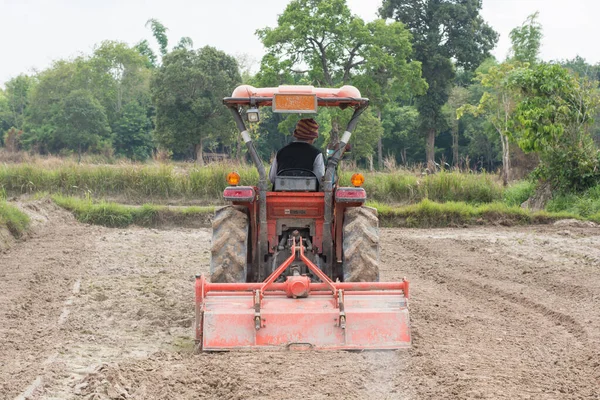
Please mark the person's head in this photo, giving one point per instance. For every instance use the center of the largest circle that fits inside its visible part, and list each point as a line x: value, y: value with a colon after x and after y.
x: 307, y: 130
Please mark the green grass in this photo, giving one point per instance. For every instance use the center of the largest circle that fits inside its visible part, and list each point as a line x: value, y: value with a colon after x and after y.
x: 429, y: 214
x: 586, y: 204
x: 425, y: 214
x: 116, y: 215
x: 517, y: 193
x: 140, y: 183
x: 13, y: 219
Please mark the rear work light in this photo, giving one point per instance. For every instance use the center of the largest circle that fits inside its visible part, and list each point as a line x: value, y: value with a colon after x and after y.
x: 239, y: 193
x: 351, y: 195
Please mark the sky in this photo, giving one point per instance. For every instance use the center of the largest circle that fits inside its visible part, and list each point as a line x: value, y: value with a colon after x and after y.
x: 34, y: 33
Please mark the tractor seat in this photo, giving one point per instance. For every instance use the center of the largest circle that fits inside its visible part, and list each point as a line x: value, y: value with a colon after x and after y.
x: 296, y: 180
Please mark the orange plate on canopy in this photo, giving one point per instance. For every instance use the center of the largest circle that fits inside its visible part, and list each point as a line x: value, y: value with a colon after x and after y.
x: 294, y: 103
x: 346, y: 95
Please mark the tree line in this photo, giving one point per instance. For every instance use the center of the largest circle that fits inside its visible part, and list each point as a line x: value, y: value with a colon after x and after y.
x: 437, y: 96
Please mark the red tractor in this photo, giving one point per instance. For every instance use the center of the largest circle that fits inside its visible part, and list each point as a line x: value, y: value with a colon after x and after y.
x: 298, y: 266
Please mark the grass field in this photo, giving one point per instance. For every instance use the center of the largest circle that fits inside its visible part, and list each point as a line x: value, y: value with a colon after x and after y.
x: 140, y: 183
x: 403, y: 198
x: 13, y: 219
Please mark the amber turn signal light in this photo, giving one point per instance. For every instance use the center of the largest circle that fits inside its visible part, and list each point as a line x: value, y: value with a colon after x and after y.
x: 233, y: 178
x: 357, y: 180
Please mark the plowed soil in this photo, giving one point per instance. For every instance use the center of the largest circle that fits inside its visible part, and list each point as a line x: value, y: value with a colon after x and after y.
x: 96, y: 313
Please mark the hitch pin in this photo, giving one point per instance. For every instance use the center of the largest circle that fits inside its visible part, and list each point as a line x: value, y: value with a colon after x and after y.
x: 341, y: 307
x: 257, y: 324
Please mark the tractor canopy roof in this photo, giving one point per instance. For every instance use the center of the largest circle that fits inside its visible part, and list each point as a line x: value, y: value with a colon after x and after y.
x: 296, y: 96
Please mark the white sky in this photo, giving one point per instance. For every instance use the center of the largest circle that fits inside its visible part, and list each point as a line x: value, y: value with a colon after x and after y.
x: 33, y: 33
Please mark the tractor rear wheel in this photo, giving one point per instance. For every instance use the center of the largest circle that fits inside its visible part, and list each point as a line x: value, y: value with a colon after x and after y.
x: 361, y: 245
x: 228, y: 261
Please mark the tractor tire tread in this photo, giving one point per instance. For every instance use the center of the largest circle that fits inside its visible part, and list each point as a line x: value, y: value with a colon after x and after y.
x: 361, y: 245
x: 228, y: 261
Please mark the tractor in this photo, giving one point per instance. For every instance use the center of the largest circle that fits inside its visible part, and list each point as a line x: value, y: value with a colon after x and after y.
x: 296, y: 264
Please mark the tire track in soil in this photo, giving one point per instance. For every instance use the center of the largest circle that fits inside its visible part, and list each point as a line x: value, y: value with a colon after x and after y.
x: 451, y: 263
x: 35, y: 287
x: 128, y: 333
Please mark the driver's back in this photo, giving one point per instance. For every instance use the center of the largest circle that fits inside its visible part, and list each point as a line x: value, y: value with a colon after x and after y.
x: 298, y: 156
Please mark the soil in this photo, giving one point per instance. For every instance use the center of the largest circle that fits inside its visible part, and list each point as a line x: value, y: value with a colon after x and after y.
x: 497, y: 312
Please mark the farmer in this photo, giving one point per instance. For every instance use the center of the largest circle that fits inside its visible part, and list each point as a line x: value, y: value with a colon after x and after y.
x: 300, y: 154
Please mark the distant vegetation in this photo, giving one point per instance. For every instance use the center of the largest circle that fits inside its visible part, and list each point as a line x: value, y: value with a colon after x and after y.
x: 191, y: 184
x: 516, y: 115
x: 440, y: 104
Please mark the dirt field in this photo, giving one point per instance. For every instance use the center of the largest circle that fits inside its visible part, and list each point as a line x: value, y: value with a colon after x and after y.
x: 91, y: 312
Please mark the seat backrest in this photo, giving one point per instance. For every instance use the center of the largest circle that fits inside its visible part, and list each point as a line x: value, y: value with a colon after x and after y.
x: 296, y: 184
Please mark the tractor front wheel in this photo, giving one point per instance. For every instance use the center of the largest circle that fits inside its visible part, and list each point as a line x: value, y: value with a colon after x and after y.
x: 228, y: 261
x: 361, y: 245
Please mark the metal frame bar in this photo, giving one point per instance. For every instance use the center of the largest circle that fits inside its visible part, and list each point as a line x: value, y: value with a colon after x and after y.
x: 233, y: 104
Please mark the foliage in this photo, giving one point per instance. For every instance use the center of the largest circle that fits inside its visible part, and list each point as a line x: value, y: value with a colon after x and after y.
x: 14, y: 101
x: 132, y: 133
x: 444, y: 31
x: 321, y: 43
x: 497, y: 105
x: 526, y: 40
x: 518, y: 192
x: 554, y: 118
x: 83, y: 122
x: 586, y: 204
x: 187, y: 91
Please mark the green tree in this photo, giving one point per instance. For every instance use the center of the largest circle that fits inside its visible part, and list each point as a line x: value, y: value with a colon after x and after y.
x: 15, y: 100
x: 555, y: 114
x: 458, y: 97
x: 321, y: 42
x: 82, y: 121
x: 132, y: 134
x: 444, y: 31
x: 498, y: 104
x: 118, y: 75
x: 526, y: 40
x: 159, y: 31
x: 187, y: 91
x: 400, y: 124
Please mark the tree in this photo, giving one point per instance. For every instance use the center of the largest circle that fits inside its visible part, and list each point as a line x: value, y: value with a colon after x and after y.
x: 526, y: 40
x: 444, y: 31
x: 400, y: 124
x: 82, y: 121
x: 554, y: 117
x: 458, y: 97
x: 159, y: 31
x: 132, y: 133
x: 187, y: 91
x: 120, y: 76
x: 15, y: 101
x: 322, y: 42
x: 498, y: 104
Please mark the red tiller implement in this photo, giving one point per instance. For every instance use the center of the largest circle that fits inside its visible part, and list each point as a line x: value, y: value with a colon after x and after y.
x: 300, y: 313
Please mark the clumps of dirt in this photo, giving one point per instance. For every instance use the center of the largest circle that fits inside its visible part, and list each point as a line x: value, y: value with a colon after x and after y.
x: 105, y: 382
x: 575, y: 223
